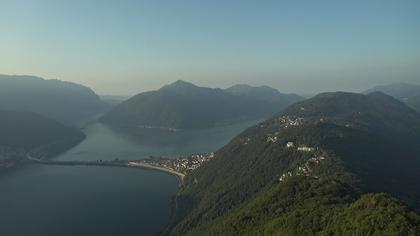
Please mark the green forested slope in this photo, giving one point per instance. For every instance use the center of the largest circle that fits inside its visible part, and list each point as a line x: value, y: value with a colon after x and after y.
x: 362, y: 144
x: 308, y: 206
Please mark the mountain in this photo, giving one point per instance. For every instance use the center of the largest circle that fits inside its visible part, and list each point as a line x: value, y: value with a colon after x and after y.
x: 183, y: 105
x: 26, y: 132
x: 113, y: 100
x: 335, y: 164
x: 263, y: 93
x: 66, y: 102
x: 408, y: 93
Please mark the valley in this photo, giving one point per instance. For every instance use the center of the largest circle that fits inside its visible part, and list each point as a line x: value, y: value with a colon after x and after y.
x: 209, y: 118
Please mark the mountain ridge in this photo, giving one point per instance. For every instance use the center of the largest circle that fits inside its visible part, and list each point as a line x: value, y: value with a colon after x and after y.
x: 67, y: 102
x: 183, y: 105
x: 405, y: 92
x: 264, y: 92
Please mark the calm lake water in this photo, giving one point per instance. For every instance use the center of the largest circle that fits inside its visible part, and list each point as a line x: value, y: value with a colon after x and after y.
x: 88, y: 200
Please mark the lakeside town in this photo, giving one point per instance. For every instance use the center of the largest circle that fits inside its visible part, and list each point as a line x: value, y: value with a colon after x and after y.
x: 182, y: 164
x: 179, y: 166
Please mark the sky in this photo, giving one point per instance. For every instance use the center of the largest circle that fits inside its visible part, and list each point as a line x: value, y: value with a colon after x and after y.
x: 126, y: 47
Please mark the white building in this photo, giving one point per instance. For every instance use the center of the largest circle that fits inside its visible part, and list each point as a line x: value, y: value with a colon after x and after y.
x: 305, y: 149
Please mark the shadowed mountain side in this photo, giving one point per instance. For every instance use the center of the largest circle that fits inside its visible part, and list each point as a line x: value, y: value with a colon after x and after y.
x: 66, y: 102
x: 26, y: 132
x: 182, y: 105
x: 407, y: 93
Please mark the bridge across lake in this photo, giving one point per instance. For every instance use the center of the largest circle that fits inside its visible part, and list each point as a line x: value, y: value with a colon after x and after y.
x: 115, y: 163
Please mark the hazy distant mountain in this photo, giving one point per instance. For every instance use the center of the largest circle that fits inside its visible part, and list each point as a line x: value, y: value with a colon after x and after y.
x: 63, y: 101
x: 263, y: 93
x: 408, y: 93
x: 184, y: 105
x: 316, y: 168
x: 26, y: 132
x: 113, y: 100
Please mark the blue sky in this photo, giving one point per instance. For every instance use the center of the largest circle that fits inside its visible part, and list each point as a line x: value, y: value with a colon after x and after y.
x: 125, y: 47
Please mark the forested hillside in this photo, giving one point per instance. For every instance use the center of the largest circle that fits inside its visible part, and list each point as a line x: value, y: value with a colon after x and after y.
x: 182, y: 105
x: 321, y: 166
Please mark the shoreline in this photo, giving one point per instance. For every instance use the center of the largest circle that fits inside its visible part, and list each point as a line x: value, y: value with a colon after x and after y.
x: 130, y: 164
x: 180, y: 176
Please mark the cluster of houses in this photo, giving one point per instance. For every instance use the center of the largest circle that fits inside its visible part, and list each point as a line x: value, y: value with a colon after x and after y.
x: 272, y: 139
x: 192, y: 162
x: 316, y: 160
x: 305, y: 149
x: 285, y: 175
x: 302, y: 148
x: 288, y: 121
x: 246, y: 141
x: 305, y: 169
x: 183, y: 164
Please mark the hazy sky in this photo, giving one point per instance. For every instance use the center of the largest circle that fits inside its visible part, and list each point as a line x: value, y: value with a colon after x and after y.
x: 125, y: 47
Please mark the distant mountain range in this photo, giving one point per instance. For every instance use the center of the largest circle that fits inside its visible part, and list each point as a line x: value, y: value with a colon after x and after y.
x: 113, y: 100
x: 27, y: 132
x: 263, y: 93
x: 182, y: 105
x: 66, y: 102
x: 335, y: 164
x: 408, y: 93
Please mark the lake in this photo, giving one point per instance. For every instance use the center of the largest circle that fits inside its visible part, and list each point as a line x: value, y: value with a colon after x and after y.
x: 88, y: 200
